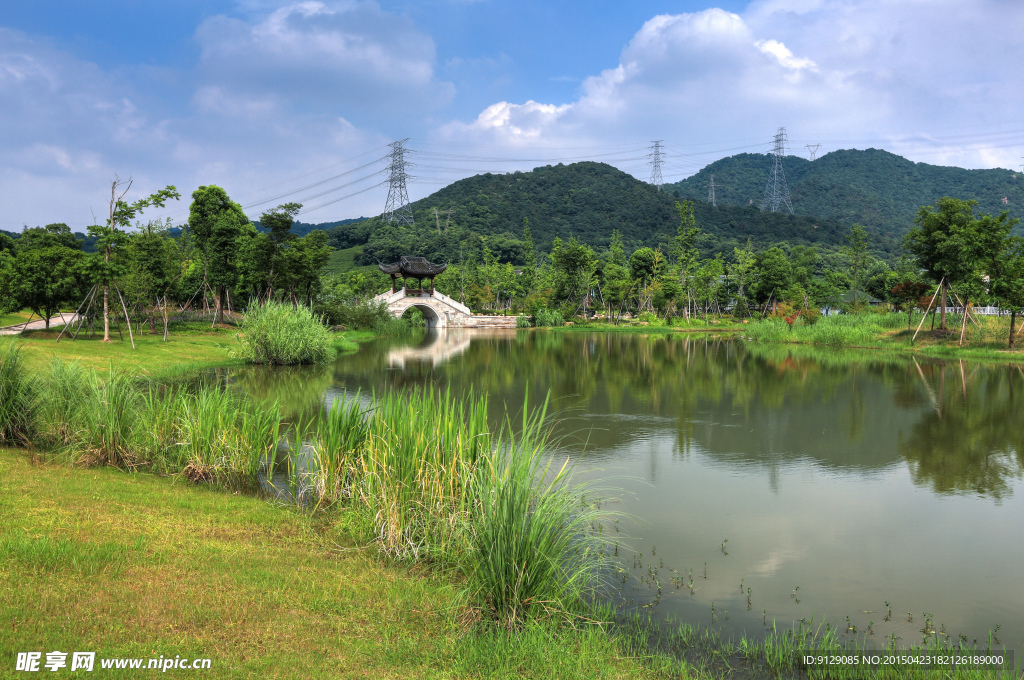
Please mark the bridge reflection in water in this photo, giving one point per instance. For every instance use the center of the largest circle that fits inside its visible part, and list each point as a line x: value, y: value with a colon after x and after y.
x: 439, y: 346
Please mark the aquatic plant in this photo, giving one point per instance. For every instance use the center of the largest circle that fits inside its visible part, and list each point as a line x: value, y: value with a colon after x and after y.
x: 534, y: 553
x: 282, y: 334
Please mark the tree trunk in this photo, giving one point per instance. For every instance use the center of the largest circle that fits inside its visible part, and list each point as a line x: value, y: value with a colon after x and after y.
x: 942, y: 313
x: 1013, y: 320
x: 106, y: 313
x: 218, y: 294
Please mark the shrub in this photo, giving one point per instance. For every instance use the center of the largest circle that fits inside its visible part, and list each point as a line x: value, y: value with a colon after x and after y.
x: 354, y: 314
x: 649, y: 317
x: 280, y: 334
x: 547, y: 317
x: 811, y: 315
x: 522, y: 321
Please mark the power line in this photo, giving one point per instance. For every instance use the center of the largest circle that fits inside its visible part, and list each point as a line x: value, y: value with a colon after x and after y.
x: 776, y: 192
x: 324, y: 181
x: 655, y: 157
x: 397, y: 208
x: 306, y: 211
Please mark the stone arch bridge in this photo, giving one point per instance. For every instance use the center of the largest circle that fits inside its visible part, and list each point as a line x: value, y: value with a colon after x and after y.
x: 440, y: 310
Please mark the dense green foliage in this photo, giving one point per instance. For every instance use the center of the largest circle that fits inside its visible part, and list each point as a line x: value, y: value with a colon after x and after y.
x: 872, y: 187
x: 281, y: 334
x: 583, y: 200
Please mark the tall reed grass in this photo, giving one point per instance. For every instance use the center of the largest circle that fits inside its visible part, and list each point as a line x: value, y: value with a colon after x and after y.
x: 533, y: 550
x: 282, y: 334
x: 425, y: 471
x: 19, y: 398
x: 838, y: 330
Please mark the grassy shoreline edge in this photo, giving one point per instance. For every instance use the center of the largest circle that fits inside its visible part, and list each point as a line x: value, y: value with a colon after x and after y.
x: 633, y: 646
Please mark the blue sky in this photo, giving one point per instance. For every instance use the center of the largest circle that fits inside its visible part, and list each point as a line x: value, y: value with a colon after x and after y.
x: 265, y: 98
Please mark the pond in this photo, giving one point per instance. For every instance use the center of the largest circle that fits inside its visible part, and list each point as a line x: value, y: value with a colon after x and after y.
x: 760, y: 483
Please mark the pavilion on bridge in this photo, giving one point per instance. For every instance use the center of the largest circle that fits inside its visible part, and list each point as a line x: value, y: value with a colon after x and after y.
x: 413, y: 268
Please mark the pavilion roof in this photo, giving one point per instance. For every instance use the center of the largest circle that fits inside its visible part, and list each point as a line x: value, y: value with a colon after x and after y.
x: 413, y: 267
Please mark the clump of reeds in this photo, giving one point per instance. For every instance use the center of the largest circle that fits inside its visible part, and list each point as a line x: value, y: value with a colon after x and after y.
x: 424, y: 468
x: 201, y: 431
x: 408, y: 460
x: 440, y: 484
x: 282, y: 334
x: 19, y: 399
x: 533, y: 550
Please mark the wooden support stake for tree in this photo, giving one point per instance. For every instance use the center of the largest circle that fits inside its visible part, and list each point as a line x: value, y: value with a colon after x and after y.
x: 927, y: 310
x: 974, y: 320
x: 127, y: 319
x: 87, y: 297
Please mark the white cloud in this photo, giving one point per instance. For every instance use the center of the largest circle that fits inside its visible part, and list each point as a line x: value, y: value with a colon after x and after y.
x: 783, y: 54
x: 352, y: 59
x: 848, y: 73
x: 299, y: 87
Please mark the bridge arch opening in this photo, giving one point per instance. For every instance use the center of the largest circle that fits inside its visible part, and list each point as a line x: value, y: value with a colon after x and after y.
x: 430, y: 315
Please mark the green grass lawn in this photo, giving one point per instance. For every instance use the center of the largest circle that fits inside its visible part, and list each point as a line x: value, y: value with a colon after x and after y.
x: 194, y: 344
x: 135, y: 565
x: 16, y: 318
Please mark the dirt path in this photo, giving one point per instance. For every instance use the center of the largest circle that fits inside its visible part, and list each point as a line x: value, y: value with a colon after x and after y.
x: 37, y: 324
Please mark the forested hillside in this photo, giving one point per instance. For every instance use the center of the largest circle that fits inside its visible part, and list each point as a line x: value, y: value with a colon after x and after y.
x: 875, y: 188
x: 585, y: 200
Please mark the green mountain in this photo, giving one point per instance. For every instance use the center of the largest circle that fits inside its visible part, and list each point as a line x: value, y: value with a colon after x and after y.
x: 875, y: 188
x: 586, y: 200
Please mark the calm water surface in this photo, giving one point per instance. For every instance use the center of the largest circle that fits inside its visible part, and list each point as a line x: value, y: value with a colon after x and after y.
x: 826, y: 483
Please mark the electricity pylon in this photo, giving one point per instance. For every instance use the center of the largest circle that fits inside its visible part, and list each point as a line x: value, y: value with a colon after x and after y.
x: 397, y: 208
x: 776, y: 192
x: 655, y: 156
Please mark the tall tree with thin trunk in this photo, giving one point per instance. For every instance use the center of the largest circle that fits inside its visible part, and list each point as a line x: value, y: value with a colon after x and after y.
x: 105, y: 265
x: 857, y: 253
x: 1007, y: 281
x: 216, y: 223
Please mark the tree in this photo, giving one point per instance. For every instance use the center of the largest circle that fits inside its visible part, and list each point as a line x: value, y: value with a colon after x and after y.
x: 574, y: 264
x: 685, y: 249
x: 827, y: 291
x: 58, y: 234
x: 1007, y: 279
x: 953, y: 246
x: 279, y: 222
x: 307, y: 256
x: 216, y: 223
x: 106, y: 265
x: 906, y: 296
x: 154, y: 266
x: 857, y: 252
x: 43, y: 279
x: 643, y: 266
x: 529, y: 274
x: 774, y: 275
x: 746, y: 265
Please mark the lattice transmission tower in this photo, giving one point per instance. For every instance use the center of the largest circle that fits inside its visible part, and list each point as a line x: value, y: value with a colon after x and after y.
x: 655, y: 156
x: 813, y: 149
x: 397, y: 208
x: 776, y: 192
x: 711, y: 191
